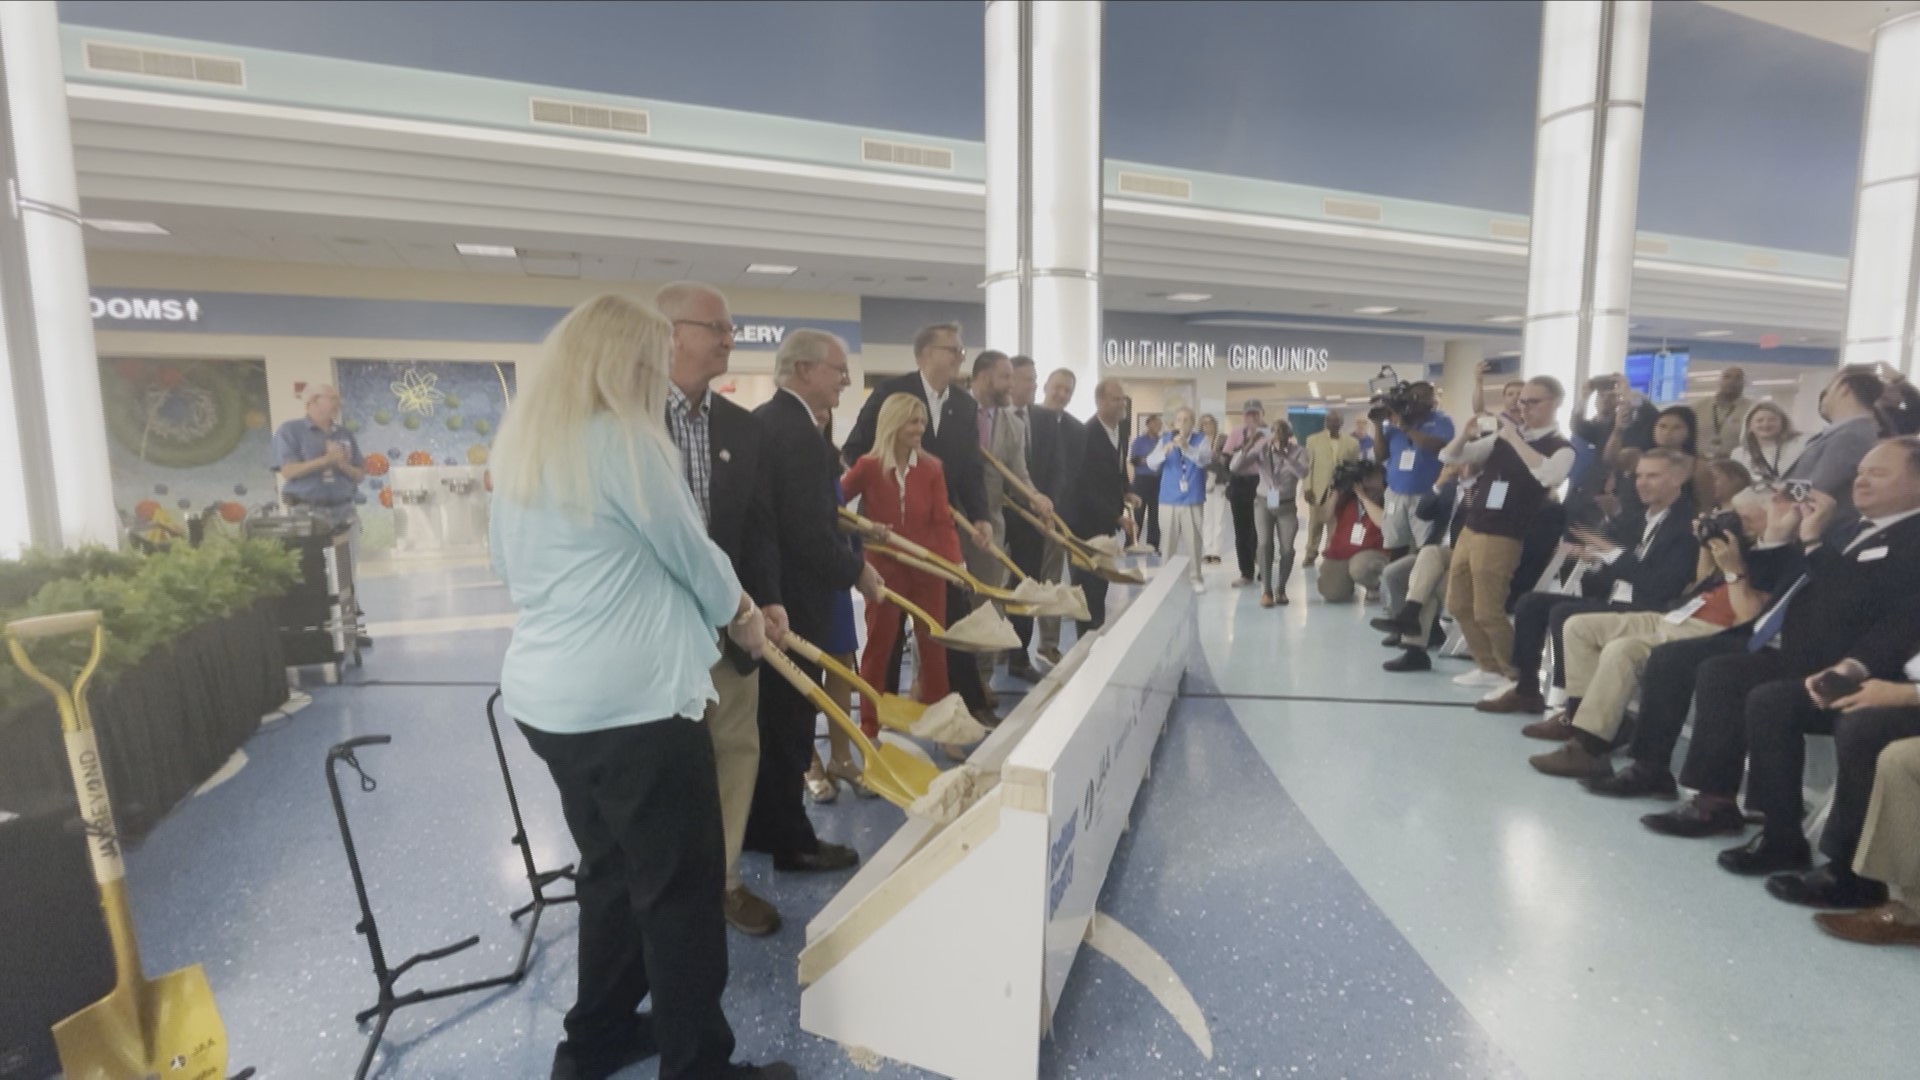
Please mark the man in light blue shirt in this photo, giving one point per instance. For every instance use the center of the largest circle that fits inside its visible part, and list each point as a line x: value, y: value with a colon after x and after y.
x: 319, y: 461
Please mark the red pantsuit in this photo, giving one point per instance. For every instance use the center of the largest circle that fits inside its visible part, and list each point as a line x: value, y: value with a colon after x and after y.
x: 922, y: 517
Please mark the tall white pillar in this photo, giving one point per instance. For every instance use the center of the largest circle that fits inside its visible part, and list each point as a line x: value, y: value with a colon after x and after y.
x: 60, y: 433
x: 1044, y: 185
x: 1883, y: 290
x: 1459, y: 374
x: 1586, y: 188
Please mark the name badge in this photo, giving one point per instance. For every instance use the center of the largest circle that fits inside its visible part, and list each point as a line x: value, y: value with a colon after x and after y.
x: 1623, y: 592
x: 1406, y: 461
x: 1359, y: 535
x: 1273, y: 499
x: 1686, y: 611
x: 1497, y: 494
x: 1871, y: 555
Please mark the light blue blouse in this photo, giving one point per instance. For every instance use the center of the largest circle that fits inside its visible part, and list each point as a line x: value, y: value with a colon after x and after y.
x: 617, y: 613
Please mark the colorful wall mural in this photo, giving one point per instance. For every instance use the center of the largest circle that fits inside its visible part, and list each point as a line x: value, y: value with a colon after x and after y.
x: 184, y: 436
x: 441, y: 412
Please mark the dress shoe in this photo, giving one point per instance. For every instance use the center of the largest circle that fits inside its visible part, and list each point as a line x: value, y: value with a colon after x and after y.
x: 748, y: 913
x: 1411, y: 660
x: 1388, y: 624
x: 1515, y: 700
x: 1281, y: 599
x: 1697, y: 819
x: 986, y: 718
x: 1556, y: 728
x: 826, y: 858
x: 1633, y: 781
x: 1050, y: 655
x: 1572, y: 761
x: 1391, y: 641
x: 1892, y: 923
x: 1767, y: 854
x: 1480, y: 679
x: 1024, y: 672
x: 821, y: 788
x: 1826, y: 888
x: 635, y: 1045
x: 1266, y: 599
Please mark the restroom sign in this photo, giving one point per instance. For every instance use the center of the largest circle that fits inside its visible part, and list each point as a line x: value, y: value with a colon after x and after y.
x: 144, y: 309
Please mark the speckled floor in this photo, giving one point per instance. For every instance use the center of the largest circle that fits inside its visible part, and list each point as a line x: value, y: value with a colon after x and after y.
x: 1352, y: 873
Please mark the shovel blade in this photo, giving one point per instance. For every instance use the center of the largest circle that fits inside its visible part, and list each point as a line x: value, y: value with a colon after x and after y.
x: 896, y: 775
x: 167, y: 1027
x: 898, y: 713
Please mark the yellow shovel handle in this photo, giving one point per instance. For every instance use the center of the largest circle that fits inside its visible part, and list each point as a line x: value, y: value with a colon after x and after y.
x: 955, y: 577
x: 807, y: 650
x: 1059, y: 535
x: 71, y: 703
x: 869, y: 530
x: 1000, y: 556
x: 778, y: 661
x: 914, y: 610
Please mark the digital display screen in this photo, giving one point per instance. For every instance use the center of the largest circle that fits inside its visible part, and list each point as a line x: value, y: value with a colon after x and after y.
x: 1662, y: 375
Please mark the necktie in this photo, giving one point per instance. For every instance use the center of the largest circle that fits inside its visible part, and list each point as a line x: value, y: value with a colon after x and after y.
x: 1768, y: 628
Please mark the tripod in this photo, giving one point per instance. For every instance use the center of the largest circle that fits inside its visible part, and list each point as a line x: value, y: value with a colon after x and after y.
x: 537, y: 880
x: 390, y: 1002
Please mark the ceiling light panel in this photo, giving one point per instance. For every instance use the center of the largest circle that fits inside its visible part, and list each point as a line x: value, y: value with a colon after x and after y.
x: 137, y: 228
x: 772, y: 269
x: 1189, y: 297
x: 489, y: 251
x: 1376, y: 309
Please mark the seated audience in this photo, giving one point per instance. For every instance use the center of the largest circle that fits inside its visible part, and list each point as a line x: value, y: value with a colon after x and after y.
x: 1849, y: 405
x: 1888, y: 854
x: 1280, y: 463
x: 1770, y: 448
x: 1356, y: 551
x: 1416, y: 584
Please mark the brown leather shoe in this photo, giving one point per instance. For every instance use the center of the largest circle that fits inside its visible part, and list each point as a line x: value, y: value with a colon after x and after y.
x: 1515, y: 700
x: 749, y: 914
x: 1555, y: 728
x: 1571, y: 761
x: 1891, y: 923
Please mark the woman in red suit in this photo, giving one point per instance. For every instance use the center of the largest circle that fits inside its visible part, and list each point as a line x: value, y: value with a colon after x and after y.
x: 901, y: 486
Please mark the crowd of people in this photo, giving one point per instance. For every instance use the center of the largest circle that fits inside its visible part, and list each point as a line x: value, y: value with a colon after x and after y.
x: 659, y: 539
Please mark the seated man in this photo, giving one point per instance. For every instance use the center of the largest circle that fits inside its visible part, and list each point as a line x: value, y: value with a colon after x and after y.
x: 1888, y: 854
x: 1877, y: 703
x: 1356, y: 549
x: 1647, y: 557
x: 1419, y: 580
x: 1607, y: 653
x: 1845, y: 581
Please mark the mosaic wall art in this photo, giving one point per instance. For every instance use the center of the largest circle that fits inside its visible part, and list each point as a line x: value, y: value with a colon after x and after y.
x: 185, y: 436
x: 441, y: 412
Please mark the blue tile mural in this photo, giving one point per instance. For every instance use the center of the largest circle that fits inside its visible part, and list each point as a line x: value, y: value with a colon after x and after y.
x: 186, y: 435
x: 426, y: 412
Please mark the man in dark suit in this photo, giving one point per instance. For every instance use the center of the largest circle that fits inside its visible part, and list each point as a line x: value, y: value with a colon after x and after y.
x: 816, y: 561
x: 953, y: 436
x: 1097, y: 500
x: 1046, y: 463
x: 1646, y: 558
x: 727, y: 469
x: 1830, y: 595
x: 1071, y: 439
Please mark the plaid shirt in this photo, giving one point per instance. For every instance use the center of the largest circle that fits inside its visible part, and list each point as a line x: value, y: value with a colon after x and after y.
x: 691, y: 429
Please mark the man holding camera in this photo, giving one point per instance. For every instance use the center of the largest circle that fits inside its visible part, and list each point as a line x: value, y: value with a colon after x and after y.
x: 1356, y: 550
x: 1326, y: 451
x: 1413, y: 431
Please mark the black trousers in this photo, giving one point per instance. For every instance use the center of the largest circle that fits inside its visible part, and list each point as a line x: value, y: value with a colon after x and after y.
x: 643, y: 804
x: 1095, y: 587
x: 1666, y: 693
x: 1537, y: 616
x: 1780, y: 715
x: 1858, y: 738
x: 1027, y: 548
x: 1146, y: 516
x: 1242, y: 493
x: 777, y: 821
x: 1717, y: 753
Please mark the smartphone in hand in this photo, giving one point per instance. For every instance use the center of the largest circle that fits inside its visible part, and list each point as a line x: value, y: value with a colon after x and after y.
x: 1831, y: 686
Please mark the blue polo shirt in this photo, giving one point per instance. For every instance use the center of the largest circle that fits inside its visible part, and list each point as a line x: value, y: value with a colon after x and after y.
x: 1142, y: 446
x: 302, y: 440
x: 1419, y: 479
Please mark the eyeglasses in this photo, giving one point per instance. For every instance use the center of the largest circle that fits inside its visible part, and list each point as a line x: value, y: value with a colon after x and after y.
x: 1534, y: 400
x: 718, y: 329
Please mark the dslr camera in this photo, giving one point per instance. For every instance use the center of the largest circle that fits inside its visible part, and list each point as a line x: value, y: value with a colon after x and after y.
x: 1349, y: 475
x: 1718, y: 525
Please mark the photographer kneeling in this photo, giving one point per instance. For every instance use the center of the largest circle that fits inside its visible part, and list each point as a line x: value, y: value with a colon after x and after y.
x: 1356, y: 551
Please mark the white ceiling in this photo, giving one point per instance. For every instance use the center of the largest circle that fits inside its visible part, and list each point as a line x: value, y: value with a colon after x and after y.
x: 1842, y: 22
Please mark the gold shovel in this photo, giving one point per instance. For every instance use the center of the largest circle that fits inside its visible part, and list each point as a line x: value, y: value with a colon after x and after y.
x: 1082, y: 554
x: 945, y: 721
x: 982, y: 631
x: 144, y: 1028
x: 1029, y: 597
x: 894, y: 774
x: 918, y: 557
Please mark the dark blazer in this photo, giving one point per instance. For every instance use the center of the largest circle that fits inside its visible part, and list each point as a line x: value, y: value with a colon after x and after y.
x: 1893, y: 642
x: 1669, y: 565
x: 1047, y: 434
x: 816, y: 558
x: 1098, y: 494
x: 1439, y: 507
x: 957, y: 445
x: 740, y: 515
x: 1847, y: 595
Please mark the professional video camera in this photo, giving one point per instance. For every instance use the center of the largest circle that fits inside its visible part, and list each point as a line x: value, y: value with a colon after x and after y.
x: 1389, y: 395
x: 1351, y: 474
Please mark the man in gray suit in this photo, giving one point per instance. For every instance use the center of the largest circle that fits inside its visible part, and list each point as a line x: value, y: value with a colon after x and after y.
x: 1005, y: 437
x: 1853, y: 428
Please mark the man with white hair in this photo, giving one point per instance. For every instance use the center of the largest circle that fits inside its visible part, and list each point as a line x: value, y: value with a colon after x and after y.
x: 725, y: 465
x: 816, y: 561
x: 321, y: 468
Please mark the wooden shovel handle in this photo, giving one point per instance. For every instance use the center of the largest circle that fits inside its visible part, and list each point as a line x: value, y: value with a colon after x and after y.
x: 813, y: 692
x: 1000, y: 556
x: 952, y: 577
x: 807, y: 650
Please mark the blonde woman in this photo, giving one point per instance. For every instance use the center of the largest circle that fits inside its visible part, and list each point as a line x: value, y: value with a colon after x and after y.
x: 619, y: 590
x: 1769, y: 446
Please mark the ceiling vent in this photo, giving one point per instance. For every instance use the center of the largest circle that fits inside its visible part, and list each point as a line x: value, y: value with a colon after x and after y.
x: 1160, y: 187
x: 1650, y: 245
x: 1510, y: 229
x: 907, y: 155
x: 1351, y: 209
x: 1761, y: 260
x: 607, y: 118
x: 156, y: 64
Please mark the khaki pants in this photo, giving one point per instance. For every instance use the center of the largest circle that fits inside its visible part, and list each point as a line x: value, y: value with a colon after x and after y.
x: 1477, y: 583
x: 1053, y: 567
x: 1318, y: 515
x: 1419, y: 578
x: 1339, y: 576
x: 1606, y: 654
x: 1888, y: 851
x: 1180, y: 529
x: 734, y: 725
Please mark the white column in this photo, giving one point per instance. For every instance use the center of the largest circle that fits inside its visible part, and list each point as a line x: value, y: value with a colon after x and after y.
x: 59, y: 344
x: 1459, y: 373
x: 1883, y: 292
x: 1044, y: 185
x: 1586, y: 187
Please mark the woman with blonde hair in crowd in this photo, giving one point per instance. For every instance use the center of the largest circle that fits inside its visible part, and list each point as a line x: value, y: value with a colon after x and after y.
x: 1770, y: 446
x: 619, y: 592
x: 903, y: 487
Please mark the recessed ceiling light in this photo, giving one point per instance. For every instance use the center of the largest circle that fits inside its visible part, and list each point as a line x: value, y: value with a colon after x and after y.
x: 1377, y: 309
x: 1189, y: 297
x: 772, y: 269
x: 490, y: 251
x: 1506, y: 318
x: 1713, y: 333
x: 143, y: 228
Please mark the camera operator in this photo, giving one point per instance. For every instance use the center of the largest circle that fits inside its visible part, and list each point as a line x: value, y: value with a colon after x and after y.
x: 1356, y: 549
x: 1326, y: 451
x: 1413, y: 431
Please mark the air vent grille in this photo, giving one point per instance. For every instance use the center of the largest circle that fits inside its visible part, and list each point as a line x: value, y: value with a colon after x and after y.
x: 607, y: 118
x: 155, y: 64
x: 908, y: 155
x: 1162, y: 187
x: 1650, y: 245
x: 1761, y: 260
x: 1510, y: 229
x: 1351, y: 209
